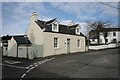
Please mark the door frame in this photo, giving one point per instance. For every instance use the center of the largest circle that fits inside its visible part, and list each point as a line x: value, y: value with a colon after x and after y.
x: 68, y: 45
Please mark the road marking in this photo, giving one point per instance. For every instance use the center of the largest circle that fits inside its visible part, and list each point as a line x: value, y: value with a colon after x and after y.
x: 23, y: 76
x: 13, y: 66
x: 35, y: 63
x: 12, y: 62
x: 29, y: 66
x: 34, y: 66
x: 28, y: 71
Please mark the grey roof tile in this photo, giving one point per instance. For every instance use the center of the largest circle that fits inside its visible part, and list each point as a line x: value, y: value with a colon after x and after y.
x: 22, y: 40
x: 64, y: 29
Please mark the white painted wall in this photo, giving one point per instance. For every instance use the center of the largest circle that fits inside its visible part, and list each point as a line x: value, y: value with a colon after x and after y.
x: 12, y: 48
x: 35, y: 35
x: 5, y: 52
x: 102, y: 40
x: 111, y: 37
x: 98, y: 47
x: 22, y: 52
x: 49, y: 44
x: 118, y: 36
x: 30, y: 52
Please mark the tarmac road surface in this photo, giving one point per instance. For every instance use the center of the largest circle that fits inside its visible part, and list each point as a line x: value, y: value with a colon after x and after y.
x: 93, y: 64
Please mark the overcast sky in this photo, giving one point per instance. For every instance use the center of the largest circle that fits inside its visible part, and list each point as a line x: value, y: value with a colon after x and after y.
x: 15, y: 15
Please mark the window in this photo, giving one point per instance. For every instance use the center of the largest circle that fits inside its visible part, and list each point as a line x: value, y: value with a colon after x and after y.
x: 55, y: 42
x: 6, y: 48
x: 54, y: 27
x: 78, y: 43
x: 77, y: 30
x: 114, y: 34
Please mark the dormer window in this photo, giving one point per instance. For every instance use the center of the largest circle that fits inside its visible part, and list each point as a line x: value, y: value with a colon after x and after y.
x: 55, y: 27
x: 78, y: 30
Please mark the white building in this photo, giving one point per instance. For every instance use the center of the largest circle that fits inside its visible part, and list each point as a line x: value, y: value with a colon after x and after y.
x: 107, y: 35
x: 52, y: 38
x: 20, y: 46
x: 46, y: 38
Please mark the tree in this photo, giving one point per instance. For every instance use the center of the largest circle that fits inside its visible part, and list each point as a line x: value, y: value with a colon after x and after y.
x: 98, y: 26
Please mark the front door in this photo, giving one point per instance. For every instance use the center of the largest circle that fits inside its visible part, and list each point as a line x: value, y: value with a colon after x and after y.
x: 68, y: 45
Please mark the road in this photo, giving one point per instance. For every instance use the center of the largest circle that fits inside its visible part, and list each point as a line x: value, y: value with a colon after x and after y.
x: 0, y: 65
x: 93, y: 64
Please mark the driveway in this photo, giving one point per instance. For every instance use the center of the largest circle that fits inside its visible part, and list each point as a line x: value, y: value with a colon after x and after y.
x: 93, y: 64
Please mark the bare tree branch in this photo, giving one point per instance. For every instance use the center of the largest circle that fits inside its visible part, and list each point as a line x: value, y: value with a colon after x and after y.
x: 98, y: 26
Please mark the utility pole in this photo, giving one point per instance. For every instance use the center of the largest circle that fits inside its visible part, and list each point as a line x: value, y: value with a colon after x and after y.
x: 88, y: 29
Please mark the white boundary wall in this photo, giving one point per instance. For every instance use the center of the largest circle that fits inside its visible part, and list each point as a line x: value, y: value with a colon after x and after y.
x: 97, y: 47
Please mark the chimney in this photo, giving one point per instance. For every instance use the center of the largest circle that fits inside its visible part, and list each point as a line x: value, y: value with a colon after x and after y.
x: 33, y: 17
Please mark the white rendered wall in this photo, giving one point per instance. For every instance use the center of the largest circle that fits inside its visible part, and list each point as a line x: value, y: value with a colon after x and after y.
x: 22, y: 52
x: 12, y: 48
x: 35, y: 35
x: 49, y: 43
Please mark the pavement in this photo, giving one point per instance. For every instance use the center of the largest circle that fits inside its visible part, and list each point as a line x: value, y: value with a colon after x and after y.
x: 91, y: 64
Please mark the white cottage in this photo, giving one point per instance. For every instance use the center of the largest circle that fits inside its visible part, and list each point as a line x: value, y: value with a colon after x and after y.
x: 20, y: 47
x: 106, y: 36
x: 112, y: 35
x: 52, y: 38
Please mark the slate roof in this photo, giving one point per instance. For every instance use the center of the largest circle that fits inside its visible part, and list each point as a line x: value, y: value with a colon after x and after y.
x: 107, y: 30
x: 22, y: 40
x: 73, y: 26
x: 110, y: 29
x: 64, y: 29
x: 6, y: 37
x: 50, y: 21
x: 41, y: 23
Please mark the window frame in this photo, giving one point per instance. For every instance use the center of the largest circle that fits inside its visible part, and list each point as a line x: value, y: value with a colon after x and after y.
x: 56, y: 43
x: 77, y: 30
x: 114, y: 33
x: 78, y: 43
x: 55, y: 27
x: 6, y: 48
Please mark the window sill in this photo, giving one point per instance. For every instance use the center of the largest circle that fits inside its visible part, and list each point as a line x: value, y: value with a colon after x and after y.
x: 54, y: 30
x: 56, y: 48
